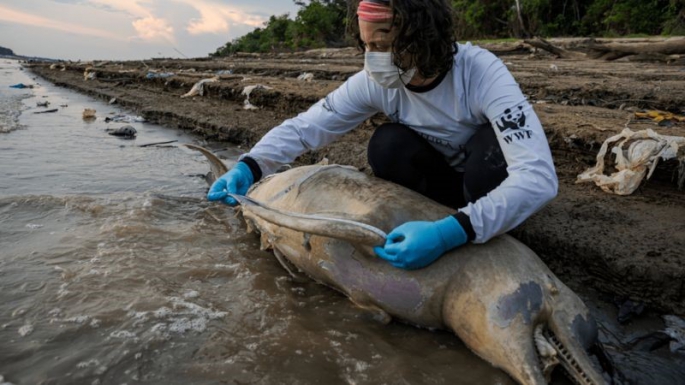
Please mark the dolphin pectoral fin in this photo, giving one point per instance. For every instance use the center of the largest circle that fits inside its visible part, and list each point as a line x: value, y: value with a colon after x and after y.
x: 289, y: 267
x: 369, y: 309
x: 217, y: 167
x: 337, y: 228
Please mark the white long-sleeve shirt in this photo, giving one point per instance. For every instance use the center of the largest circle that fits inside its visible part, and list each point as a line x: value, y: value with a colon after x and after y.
x: 479, y: 92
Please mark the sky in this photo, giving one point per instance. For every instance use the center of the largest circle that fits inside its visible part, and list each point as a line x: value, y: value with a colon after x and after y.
x: 129, y: 29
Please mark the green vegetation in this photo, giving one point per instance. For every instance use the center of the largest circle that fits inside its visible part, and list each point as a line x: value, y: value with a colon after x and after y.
x: 322, y: 23
x: 318, y: 24
x: 500, y: 18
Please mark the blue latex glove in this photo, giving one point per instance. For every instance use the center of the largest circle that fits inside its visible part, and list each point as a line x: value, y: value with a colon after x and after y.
x: 236, y: 181
x: 414, y: 245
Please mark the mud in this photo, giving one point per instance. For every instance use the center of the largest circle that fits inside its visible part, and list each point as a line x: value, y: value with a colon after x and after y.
x: 624, y: 247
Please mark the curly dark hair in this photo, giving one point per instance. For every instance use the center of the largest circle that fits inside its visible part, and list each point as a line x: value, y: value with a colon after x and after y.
x: 425, y: 30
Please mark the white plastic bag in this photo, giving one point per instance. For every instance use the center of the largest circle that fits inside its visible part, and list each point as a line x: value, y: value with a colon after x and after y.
x: 640, y: 158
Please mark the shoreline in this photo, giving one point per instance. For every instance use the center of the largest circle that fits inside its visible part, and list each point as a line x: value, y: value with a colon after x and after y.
x: 627, y: 247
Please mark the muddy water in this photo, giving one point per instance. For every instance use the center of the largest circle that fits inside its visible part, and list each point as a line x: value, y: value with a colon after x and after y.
x: 115, y: 270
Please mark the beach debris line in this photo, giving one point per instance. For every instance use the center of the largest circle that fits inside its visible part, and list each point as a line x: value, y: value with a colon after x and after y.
x: 248, y: 90
x: 125, y: 132
x: 199, y: 87
x: 636, y: 156
x: 89, y: 114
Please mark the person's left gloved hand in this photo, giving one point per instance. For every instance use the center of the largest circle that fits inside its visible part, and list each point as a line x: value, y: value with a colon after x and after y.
x: 414, y: 245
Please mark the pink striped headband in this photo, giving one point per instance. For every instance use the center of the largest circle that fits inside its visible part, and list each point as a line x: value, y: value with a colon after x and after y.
x: 374, y: 11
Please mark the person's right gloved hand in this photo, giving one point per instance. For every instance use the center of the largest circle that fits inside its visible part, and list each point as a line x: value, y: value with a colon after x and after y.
x: 236, y: 181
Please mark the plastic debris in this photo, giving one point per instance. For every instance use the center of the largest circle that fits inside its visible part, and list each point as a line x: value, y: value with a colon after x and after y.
x: 42, y: 104
x: 675, y: 328
x: 21, y: 86
x: 306, y: 77
x: 159, y: 75
x: 224, y: 72
x: 199, y: 87
x: 659, y: 116
x: 89, y: 74
x: 112, y: 101
x: 125, y: 132
x: 644, y: 150
x: 89, y: 114
x: 46, y: 111
x: 125, y: 119
x: 248, y: 90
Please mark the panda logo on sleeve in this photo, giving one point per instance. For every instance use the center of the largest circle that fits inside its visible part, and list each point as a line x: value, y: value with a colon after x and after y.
x: 512, y: 125
x: 512, y: 120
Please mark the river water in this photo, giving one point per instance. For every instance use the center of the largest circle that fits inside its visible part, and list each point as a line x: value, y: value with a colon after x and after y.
x: 115, y: 270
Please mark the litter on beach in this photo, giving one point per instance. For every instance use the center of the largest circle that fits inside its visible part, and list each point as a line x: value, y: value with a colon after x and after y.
x: 306, y: 77
x: 159, y: 75
x: 21, y: 86
x: 644, y: 150
x: 199, y: 87
x: 247, y: 91
x: 46, y: 111
x: 125, y: 119
x: 89, y: 114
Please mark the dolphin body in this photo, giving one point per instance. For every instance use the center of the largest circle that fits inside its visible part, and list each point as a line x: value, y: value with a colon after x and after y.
x: 498, y: 297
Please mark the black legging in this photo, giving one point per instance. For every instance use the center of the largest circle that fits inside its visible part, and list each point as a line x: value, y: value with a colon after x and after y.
x: 400, y: 155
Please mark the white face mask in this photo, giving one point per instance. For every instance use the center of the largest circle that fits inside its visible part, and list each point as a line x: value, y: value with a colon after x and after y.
x: 380, y: 68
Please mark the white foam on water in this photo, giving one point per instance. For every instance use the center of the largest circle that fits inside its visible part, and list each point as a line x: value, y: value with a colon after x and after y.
x: 122, y: 334
x: 25, y: 330
x: 87, y: 364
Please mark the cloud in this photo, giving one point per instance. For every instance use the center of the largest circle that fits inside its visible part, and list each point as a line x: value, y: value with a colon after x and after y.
x: 19, y: 17
x: 216, y: 18
x: 152, y: 28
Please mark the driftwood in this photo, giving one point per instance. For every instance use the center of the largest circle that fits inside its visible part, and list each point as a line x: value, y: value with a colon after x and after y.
x: 504, y: 50
x: 666, y: 51
x: 543, y: 44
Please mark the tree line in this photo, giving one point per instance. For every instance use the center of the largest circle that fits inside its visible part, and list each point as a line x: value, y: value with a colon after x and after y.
x: 323, y: 23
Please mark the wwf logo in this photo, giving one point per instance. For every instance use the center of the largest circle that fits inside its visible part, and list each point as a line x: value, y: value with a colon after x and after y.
x: 512, y: 125
x: 512, y: 120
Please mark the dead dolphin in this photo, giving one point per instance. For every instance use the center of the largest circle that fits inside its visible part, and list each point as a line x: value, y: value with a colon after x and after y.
x: 498, y: 297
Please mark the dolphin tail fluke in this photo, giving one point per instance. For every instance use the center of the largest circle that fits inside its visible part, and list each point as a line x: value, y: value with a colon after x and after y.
x: 217, y: 167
